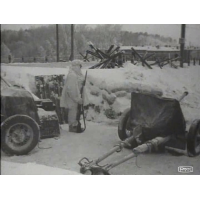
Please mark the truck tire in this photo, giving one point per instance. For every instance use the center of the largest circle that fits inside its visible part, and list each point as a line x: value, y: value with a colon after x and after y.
x: 193, y: 139
x: 19, y: 135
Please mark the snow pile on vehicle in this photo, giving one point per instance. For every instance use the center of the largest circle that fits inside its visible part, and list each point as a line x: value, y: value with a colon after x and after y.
x: 109, y: 90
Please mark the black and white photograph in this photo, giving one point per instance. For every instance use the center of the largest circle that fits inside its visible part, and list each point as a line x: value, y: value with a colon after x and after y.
x: 100, y: 99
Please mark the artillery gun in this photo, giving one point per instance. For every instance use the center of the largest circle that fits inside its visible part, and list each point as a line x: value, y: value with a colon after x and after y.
x: 152, y: 123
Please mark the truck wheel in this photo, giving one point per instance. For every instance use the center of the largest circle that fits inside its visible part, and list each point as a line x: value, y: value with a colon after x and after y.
x: 124, y: 131
x: 19, y: 135
x: 193, y: 139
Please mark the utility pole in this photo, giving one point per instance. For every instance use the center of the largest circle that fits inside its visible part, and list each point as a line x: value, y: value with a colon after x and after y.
x: 57, y: 42
x: 72, y: 42
x: 182, y: 43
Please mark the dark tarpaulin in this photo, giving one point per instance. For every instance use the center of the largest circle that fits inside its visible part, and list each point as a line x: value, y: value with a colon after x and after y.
x: 17, y: 101
x: 158, y: 116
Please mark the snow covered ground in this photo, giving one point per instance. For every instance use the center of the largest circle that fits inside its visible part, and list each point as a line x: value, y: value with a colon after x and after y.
x: 109, y: 90
x: 11, y: 168
x: 66, y: 151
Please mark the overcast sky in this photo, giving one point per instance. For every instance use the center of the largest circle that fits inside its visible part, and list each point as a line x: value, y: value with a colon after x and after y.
x: 167, y: 30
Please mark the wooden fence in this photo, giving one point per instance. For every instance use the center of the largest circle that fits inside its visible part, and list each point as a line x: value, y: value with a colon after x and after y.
x: 45, y: 59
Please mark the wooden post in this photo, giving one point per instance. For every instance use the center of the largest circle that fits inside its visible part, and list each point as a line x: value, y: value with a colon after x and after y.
x: 120, y: 60
x: 72, y: 42
x: 9, y: 58
x: 132, y: 59
x: 170, y: 60
x: 188, y: 58
x: 182, y: 44
x: 57, y: 42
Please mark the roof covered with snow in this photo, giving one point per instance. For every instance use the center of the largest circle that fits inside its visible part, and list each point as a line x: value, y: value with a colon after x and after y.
x: 150, y: 48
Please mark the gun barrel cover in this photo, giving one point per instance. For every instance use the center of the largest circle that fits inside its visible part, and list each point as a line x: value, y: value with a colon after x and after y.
x: 158, y: 116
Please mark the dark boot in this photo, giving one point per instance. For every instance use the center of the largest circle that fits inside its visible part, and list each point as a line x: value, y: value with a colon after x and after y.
x: 73, y: 129
x: 79, y: 129
x: 76, y: 129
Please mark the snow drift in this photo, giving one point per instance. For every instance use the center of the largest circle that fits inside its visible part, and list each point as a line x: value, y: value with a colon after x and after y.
x: 109, y: 90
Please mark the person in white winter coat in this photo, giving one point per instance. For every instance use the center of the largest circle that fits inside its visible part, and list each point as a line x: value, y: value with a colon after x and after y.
x: 71, y: 96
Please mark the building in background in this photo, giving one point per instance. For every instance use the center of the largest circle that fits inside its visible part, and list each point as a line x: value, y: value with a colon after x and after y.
x: 161, y: 52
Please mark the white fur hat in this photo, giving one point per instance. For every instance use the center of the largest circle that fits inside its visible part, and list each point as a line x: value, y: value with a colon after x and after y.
x: 76, y: 62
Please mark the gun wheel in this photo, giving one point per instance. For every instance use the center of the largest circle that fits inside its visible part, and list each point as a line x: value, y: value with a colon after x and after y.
x: 193, y: 139
x: 124, y: 131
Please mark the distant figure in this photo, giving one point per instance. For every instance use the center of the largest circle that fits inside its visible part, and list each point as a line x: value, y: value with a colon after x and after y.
x: 70, y: 58
x: 46, y: 59
x: 176, y: 55
x: 124, y: 58
x: 120, y: 59
x: 34, y: 59
x: 194, y: 61
x: 113, y: 63
x: 133, y: 57
x: 9, y: 58
x: 22, y: 59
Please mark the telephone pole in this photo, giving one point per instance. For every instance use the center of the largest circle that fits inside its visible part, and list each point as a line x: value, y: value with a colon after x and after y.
x: 72, y: 42
x: 182, y: 43
x: 57, y: 42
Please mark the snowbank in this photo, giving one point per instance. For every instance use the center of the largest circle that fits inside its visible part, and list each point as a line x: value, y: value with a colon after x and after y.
x: 109, y: 90
x: 10, y: 168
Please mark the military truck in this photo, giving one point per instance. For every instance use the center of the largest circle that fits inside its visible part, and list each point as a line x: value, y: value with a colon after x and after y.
x: 21, y: 125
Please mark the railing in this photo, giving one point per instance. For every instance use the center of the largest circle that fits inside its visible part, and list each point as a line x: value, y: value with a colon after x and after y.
x: 6, y: 59
x: 44, y: 59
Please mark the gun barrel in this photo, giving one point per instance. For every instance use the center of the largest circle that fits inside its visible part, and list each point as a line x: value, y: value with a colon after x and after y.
x: 183, y: 96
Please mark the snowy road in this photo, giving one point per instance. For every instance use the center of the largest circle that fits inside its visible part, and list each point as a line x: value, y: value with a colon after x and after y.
x: 66, y: 151
x: 13, y: 168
